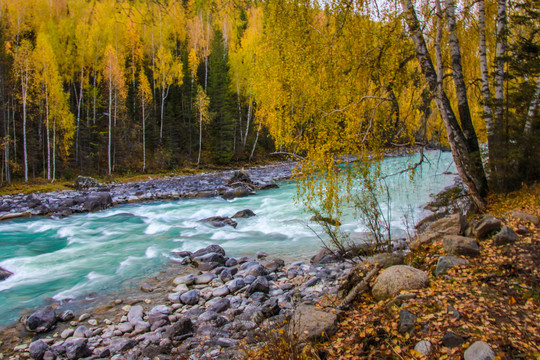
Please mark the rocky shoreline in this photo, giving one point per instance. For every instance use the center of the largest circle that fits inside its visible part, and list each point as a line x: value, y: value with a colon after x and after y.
x: 216, y: 309
x: 91, y: 196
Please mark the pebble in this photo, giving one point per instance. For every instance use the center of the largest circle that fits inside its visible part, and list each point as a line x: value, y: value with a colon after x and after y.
x: 84, y: 317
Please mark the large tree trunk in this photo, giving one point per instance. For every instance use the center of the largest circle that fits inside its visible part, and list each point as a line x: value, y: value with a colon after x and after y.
x: 468, y: 163
x: 484, y: 73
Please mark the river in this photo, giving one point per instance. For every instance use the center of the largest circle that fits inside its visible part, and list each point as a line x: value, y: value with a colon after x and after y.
x: 115, y: 248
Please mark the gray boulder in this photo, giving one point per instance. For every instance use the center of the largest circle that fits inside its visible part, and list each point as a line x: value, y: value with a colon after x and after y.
x: 38, y: 349
x: 450, y: 225
x: 135, y: 314
x: 485, y: 225
x: 236, y: 193
x: 214, y: 248
x: 310, y: 323
x: 121, y: 345
x: 42, y: 320
x: 238, y: 178
x: 219, y: 221
x: 243, y: 214
x: 423, y: 347
x: 520, y: 215
x: 447, y: 262
x: 505, y: 236
x: 4, y: 274
x: 397, y: 278
x: 97, y: 201
x: 259, y: 285
x: 385, y: 259
x: 77, y: 348
x: 85, y: 182
x: 480, y: 350
x: 182, y: 327
x: 407, y: 321
x: 461, y: 245
x: 190, y: 297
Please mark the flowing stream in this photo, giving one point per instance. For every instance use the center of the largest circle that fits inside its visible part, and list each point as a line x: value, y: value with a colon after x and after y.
x: 114, y: 249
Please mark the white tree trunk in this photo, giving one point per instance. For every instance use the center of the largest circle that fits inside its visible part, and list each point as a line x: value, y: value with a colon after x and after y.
x: 24, y: 79
x: 532, y: 109
x: 499, y: 63
x: 248, y: 121
x: 48, y: 134
x: 484, y: 73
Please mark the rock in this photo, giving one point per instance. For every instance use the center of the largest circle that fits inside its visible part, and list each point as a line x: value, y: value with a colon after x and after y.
x: 214, y: 248
x: 77, y: 348
x: 461, y: 245
x: 447, y: 262
x: 182, y: 327
x: 42, y: 320
x: 450, y: 225
x: 85, y: 182
x: 324, y: 256
x: 141, y: 327
x: 38, y: 349
x: 49, y: 355
x: 423, y: 347
x: 236, y: 285
x: 397, y: 278
x: 452, y: 340
x: 239, y: 176
x: 259, y: 285
x: 310, y: 323
x: 121, y: 345
x: 221, y: 291
x: 67, y: 315
x: 205, y: 278
x: 236, y: 193
x: 242, y: 214
x: 125, y: 327
x: 67, y: 333
x: 385, y: 259
x: 273, y: 265
x: 84, y: 317
x: 452, y: 310
x: 4, y: 274
x: 522, y: 230
x: 135, y: 314
x: 520, y: 215
x: 219, y: 221
x: 257, y: 270
x: 407, y: 321
x: 207, y: 316
x: 187, y: 280
x: 97, y: 201
x: 505, y: 236
x: 212, y: 257
x: 92, y: 322
x: 220, y: 305
x: 485, y: 225
x: 479, y: 351
x: 231, y: 262
x: 191, y: 297
x: 80, y: 332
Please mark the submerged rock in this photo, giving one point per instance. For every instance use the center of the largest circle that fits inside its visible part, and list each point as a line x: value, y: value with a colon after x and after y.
x: 4, y: 274
x: 41, y: 321
x: 243, y: 214
x: 219, y: 221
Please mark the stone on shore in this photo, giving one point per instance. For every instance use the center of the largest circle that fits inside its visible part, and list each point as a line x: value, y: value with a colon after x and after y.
x: 310, y: 323
x: 485, y: 225
x: 77, y: 348
x: 42, y: 320
x: 450, y: 225
x: 397, y: 278
x: 505, y: 236
x: 480, y: 350
x: 191, y: 297
x: 520, y: 215
x: 97, y: 201
x: 447, y: 262
x: 38, y: 349
x: 385, y: 259
x: 461, y: 245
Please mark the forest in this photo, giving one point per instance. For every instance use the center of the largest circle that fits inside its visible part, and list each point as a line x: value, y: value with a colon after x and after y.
x: 103, y: 87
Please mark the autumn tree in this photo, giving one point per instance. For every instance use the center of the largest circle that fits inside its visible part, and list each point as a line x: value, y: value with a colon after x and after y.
x: 201, y: 108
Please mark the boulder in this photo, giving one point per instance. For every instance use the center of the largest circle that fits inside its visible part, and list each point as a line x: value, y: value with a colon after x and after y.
x: 242, y: 214
x: 191, y: 297
x: 461, y: 245
x: 447, y: 262
x: 397, y: 278
x: 452, y: 340
x: 42, y: 320
x: 236, y: 193
x: 310, y: 323
x: 135, y: 314
x: 214, y: 248
x: 85, y: 182
x: 407, y: 321
x: 4, y: 274
x: 182, y: 327
x: 520, y: 215
x: 97, y: 201
x: 220, y: 305
x: 450, y: 225
x: 38, y: 349
x: 121, y: 345
x: 385, y: 259
x: 505, y: 236
x: 212, y: 257
x: 259, y: 285
x: 485, y: 225
x: 219, y: 221
x: 77, y: 348
x: 239, y: 177
x: 480, y: 350
x: 324, y: 256
x: 205, y: 278
x: 423, y: 347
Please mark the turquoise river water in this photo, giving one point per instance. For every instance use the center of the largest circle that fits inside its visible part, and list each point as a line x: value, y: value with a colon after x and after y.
x: 108, y: 250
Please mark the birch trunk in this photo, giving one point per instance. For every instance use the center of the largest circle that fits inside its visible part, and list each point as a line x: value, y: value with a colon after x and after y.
x: 527, y: 129
x: 110, y: 123
x: 47, y: 134
x: 438, y: 40
x: 256, y: 139
x: 499, y: 64
x: 24, y: 84
x: 484, y: 73
x: 468, y: 163
x: 248, y: 121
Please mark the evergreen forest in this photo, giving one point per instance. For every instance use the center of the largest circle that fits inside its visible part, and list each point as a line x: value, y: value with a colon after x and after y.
x: 102, y: 87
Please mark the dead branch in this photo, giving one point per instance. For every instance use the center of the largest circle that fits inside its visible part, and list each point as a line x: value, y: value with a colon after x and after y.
x: 286, y: 153
x: 360, y: 288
